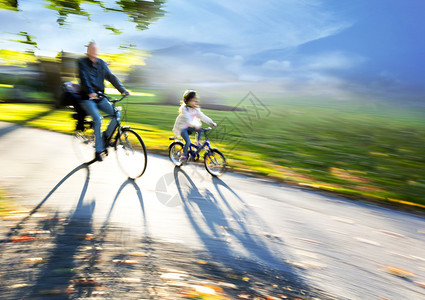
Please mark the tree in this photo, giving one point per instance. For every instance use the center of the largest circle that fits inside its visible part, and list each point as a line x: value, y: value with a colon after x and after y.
x: 141, y: 12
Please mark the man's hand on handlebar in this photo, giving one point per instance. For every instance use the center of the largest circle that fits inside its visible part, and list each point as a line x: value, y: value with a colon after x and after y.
x: 93, y: 96
x: 126, y: 94
x: 214, y: 124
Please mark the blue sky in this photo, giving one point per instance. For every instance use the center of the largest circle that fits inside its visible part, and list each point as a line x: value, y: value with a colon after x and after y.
x: 342, y: 49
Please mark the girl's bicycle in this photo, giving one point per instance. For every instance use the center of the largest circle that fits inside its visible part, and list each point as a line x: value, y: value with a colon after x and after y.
x: 129, y: 147
x: 214, y: 160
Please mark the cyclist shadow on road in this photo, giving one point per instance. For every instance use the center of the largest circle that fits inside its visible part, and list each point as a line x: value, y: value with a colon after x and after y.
x: 15, y: 230
x: 223, y: 228
x: 68, y: 234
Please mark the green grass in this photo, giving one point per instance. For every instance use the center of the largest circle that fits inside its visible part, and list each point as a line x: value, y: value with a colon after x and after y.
x: 361, y: 149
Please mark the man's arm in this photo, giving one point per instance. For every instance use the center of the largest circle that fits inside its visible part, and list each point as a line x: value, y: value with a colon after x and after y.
x: 113, y: 79
x: 85, y: 82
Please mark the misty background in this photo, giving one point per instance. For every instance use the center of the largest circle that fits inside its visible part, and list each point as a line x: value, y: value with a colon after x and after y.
x: 367, y: 49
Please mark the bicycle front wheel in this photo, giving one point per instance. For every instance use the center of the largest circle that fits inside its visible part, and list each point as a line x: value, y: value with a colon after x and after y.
x: 131, y: 153
x: 214, y: 162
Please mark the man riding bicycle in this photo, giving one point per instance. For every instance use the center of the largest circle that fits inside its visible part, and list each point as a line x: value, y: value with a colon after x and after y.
x: 92, y: 72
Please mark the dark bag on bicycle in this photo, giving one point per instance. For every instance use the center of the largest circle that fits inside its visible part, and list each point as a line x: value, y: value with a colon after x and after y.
x: 71, y: 96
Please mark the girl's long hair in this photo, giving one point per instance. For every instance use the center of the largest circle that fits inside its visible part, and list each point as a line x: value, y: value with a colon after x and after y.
x: 182, y: 105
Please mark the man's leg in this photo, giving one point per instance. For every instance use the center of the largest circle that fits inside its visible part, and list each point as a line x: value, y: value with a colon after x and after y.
x: 91, y: 108
x: 108, y: 108
x: 81, y: 113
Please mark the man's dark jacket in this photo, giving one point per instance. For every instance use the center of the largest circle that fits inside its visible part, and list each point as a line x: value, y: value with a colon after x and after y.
x: 92, y: 76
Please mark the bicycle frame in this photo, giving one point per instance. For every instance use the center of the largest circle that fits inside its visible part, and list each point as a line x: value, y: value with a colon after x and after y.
x: 118, y: 126
x: 206, y: 145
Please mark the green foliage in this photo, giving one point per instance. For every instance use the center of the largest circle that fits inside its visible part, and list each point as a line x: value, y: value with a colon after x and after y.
x: 141, y: 12
x: 9, y: 4
x: 113, y: 29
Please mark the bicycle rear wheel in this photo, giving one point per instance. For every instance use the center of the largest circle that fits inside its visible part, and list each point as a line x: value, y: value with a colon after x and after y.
x: 214, y: 162
x: 131, y: 153
x: 83, y: 144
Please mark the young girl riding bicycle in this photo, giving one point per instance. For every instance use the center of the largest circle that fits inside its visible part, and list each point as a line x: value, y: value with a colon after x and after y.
x: 189, y: 120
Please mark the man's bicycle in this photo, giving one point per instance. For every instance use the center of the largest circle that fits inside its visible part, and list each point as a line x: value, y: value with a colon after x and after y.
x: 214, y: 160
x: 129, y: 147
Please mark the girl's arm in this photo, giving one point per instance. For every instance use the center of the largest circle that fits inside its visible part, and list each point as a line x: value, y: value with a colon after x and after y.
x: 204, y: 117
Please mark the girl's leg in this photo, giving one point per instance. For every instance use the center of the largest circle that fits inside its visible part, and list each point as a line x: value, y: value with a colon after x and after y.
x: 185, y: 136
x: 91, y: 108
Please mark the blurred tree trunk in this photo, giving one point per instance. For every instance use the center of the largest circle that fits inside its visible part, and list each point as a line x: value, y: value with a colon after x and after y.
x: 56, y: 73
x: 52, y: 79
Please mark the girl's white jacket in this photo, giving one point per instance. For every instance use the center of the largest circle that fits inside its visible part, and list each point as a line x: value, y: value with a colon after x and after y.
x: 189, y: 117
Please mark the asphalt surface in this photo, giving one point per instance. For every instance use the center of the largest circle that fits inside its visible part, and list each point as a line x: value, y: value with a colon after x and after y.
x: 237, y: 237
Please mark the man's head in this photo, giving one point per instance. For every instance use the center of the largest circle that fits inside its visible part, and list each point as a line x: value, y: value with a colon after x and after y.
x: 92, y: 51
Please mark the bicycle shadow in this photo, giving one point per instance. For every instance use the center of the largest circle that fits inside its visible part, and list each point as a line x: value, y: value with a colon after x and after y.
x: 225, y: 230
x: 127, y: 182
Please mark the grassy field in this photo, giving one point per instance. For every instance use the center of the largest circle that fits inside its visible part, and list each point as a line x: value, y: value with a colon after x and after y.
x: 361, y: 149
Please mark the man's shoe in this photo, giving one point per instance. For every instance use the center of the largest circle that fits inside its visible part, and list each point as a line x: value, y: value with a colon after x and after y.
x: 98, y: 156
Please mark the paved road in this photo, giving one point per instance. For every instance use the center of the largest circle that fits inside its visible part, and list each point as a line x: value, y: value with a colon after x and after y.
x: 343, y: 248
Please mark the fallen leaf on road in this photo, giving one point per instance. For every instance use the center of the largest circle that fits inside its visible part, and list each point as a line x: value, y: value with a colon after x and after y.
x: 24, y: 238
x: 398, y: 272
x: 19, y: 285
x: 395, y: 234
x: 87, y: 281
x: 34, y: 260
x: 366, y: 241
x: 140, y: 254
x: 204, y: 289
x: 131, y: 280
x: 70, y: 289
x: 227, y: 285
x: 39, y: 231
x: 244, y: 296
x: 124, y: 261
x: 39, y: 215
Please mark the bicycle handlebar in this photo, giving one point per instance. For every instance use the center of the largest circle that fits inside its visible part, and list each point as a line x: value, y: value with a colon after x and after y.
x: 102, y: 95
